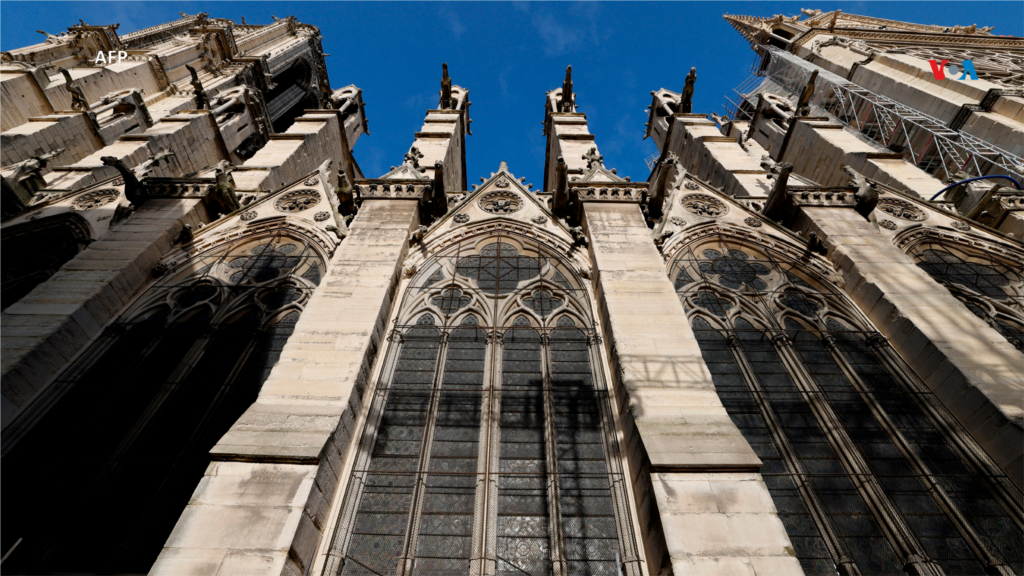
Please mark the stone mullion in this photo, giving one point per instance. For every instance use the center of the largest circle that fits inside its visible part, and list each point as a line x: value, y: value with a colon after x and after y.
x: 338, y: 551
x: 844, y: 562
x: 937, y: 492
x: 912, y: 554
x: 416, y: 508
x: 485, y: 521
x: 617, y: 476
x: 954, y: 435
x: 555, y: 528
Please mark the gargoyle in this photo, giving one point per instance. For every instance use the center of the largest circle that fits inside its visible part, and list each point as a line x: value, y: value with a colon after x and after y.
x: 560, y: 195
x: 579, y: 238
x: 566, y: 103
x: 78, y: 101
x: 131, y: 184
x: 222, y: 197
x: 202, y: 103
x: 686, y: 98
x: 775, y: 206
x: 446, y: 88
x: 417, y: 236
x: 866, y: 194
x: 803, y: 105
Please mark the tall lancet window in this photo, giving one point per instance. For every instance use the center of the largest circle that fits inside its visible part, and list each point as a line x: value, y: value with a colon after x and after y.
x: 135, y: 416
x: 869, y: 472
x: 991, y: 287
x: 489, y: 447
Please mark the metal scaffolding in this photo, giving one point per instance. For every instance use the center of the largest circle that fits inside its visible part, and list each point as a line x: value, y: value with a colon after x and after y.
x: 924, y: 140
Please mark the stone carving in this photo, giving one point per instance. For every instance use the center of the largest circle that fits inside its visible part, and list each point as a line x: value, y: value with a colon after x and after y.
x: 412, y: 157
x: 704, y: 205
x: 247, y: 215
x: 686, y: 98
x: 866, y: 195
x: 592, y: 156
x: 321, y: 216
x: 567, y: 102
x: 311, y: 181
x: 901, y: 209
x: 417, y: 236
x: 691, y: 185
x: 95, y: 199
x: 677, y: 221
x: 962, y: 226
x: 202, y: 103
x: 78, y: 101
x: 803, y: 105
x: 297, y: 200
x: 461, y: 218
x: 446, y: 89
x: 752, y: 222
x: 887, y: 224
x: 579, y: 237
x: 500, y: 203
x: 539, y: 219
x: 502, y: 182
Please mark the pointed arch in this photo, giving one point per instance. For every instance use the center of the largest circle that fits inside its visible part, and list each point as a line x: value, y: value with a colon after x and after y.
x: 35, y: 250
x: 988, y: 277
x: 159, y: 387
x: 857, y: 450
x: 512, y: 465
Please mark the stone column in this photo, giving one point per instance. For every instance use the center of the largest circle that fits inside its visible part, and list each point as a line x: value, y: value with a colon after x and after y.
x: 711, y: 503
x: 263, y: 505
x: 970, y: 367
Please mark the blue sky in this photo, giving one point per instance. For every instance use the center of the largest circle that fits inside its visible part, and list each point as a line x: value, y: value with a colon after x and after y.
x: 508, y: 55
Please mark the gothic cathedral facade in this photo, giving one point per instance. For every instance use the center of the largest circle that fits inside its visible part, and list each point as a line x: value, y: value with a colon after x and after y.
x: 794, y: 348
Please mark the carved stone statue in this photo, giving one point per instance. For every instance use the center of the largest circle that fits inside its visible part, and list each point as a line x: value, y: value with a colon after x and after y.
x: 417, y: 236
x: 803, y: 105
x: 132, y: 190
x: 446, y: 89
x: 78, y: 101
x: 579, y: 238
x: 412, y: 157
x: 724, y: 121
x: 686, y: 98
x: 202, y: 103
x: 866, y: 195
x: 567, y: 103
x: 27, y: 179
x: 775, y: 206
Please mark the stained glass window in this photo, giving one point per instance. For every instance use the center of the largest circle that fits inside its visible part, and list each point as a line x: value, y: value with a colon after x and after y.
x: 860, y: 461
x: 151, y: 398
x: 532, y: 487
x: 993, y: 291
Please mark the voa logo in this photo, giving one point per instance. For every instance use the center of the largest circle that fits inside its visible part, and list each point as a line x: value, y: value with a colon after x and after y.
x: 940, y: 71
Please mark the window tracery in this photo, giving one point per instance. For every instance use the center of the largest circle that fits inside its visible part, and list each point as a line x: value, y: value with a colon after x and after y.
x: 865, y: 466
x: 488, y: 448
x: 156, y: 392
x: 991, y: 288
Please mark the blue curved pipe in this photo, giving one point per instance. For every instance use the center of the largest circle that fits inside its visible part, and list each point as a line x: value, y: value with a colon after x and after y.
x: 1014, y: 180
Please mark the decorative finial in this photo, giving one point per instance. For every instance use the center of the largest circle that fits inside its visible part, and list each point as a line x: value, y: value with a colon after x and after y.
x: 592, y: 156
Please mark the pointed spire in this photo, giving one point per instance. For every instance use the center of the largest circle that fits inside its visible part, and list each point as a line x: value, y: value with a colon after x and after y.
x: 748, y: 26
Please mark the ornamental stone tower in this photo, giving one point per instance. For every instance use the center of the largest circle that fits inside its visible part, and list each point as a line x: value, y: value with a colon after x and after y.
x: 795, y: 348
